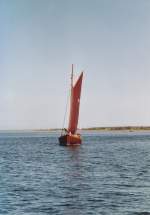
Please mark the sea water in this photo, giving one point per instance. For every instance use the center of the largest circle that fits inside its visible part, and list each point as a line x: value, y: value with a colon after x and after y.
x: 108, y: 174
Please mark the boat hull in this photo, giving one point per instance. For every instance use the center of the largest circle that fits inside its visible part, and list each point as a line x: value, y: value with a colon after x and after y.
x: 70, y: 140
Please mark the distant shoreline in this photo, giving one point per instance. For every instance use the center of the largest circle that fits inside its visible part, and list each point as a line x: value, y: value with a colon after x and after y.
x: 119, y: 128
x: 113, y: 128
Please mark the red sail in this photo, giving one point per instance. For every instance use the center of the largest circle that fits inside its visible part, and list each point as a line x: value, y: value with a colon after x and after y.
x: 74, y: 105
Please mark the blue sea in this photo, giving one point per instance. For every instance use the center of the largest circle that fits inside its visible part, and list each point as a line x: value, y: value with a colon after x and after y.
x: 109, y: 174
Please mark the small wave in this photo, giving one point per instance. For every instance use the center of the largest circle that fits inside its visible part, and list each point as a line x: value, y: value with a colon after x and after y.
x: 142, y: 213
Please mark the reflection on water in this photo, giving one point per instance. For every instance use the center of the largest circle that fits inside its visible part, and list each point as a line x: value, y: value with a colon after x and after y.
x: 108, y: 174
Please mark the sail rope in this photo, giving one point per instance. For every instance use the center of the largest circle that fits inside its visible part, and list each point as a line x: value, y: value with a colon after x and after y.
x: 66, y: 109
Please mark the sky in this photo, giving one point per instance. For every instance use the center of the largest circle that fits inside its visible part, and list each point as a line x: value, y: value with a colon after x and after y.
x: 108, y: 39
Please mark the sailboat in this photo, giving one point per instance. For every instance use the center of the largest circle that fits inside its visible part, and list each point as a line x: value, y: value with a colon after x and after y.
x: 71, y: 137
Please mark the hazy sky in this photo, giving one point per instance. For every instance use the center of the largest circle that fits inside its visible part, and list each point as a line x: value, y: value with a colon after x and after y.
x: 40, y: 39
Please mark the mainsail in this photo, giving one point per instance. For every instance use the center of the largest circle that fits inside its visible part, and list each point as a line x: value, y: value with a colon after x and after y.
x: 74, y: 104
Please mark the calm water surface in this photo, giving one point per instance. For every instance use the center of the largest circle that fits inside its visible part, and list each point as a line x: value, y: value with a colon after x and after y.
x: 108, y: 174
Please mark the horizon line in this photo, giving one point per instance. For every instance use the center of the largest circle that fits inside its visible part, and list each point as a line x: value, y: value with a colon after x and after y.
x: 126, y: 127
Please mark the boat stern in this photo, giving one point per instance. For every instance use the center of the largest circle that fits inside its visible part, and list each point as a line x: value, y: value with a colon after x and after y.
x: 70, y: 140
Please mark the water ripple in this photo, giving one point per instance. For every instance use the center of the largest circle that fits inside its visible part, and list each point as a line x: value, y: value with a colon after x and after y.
x: 108, y: 174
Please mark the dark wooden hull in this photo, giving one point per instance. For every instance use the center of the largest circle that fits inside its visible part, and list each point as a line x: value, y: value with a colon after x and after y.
x: 70, y: 140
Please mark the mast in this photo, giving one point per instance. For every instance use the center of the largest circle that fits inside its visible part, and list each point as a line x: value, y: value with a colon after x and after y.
x: 72, y: 77
x: 71, y: 93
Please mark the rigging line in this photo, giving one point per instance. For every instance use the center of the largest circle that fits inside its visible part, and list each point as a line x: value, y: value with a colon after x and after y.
x: 66, y: 108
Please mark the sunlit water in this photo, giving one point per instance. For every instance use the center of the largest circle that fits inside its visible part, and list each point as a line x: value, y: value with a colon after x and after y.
x: 108, y: 174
